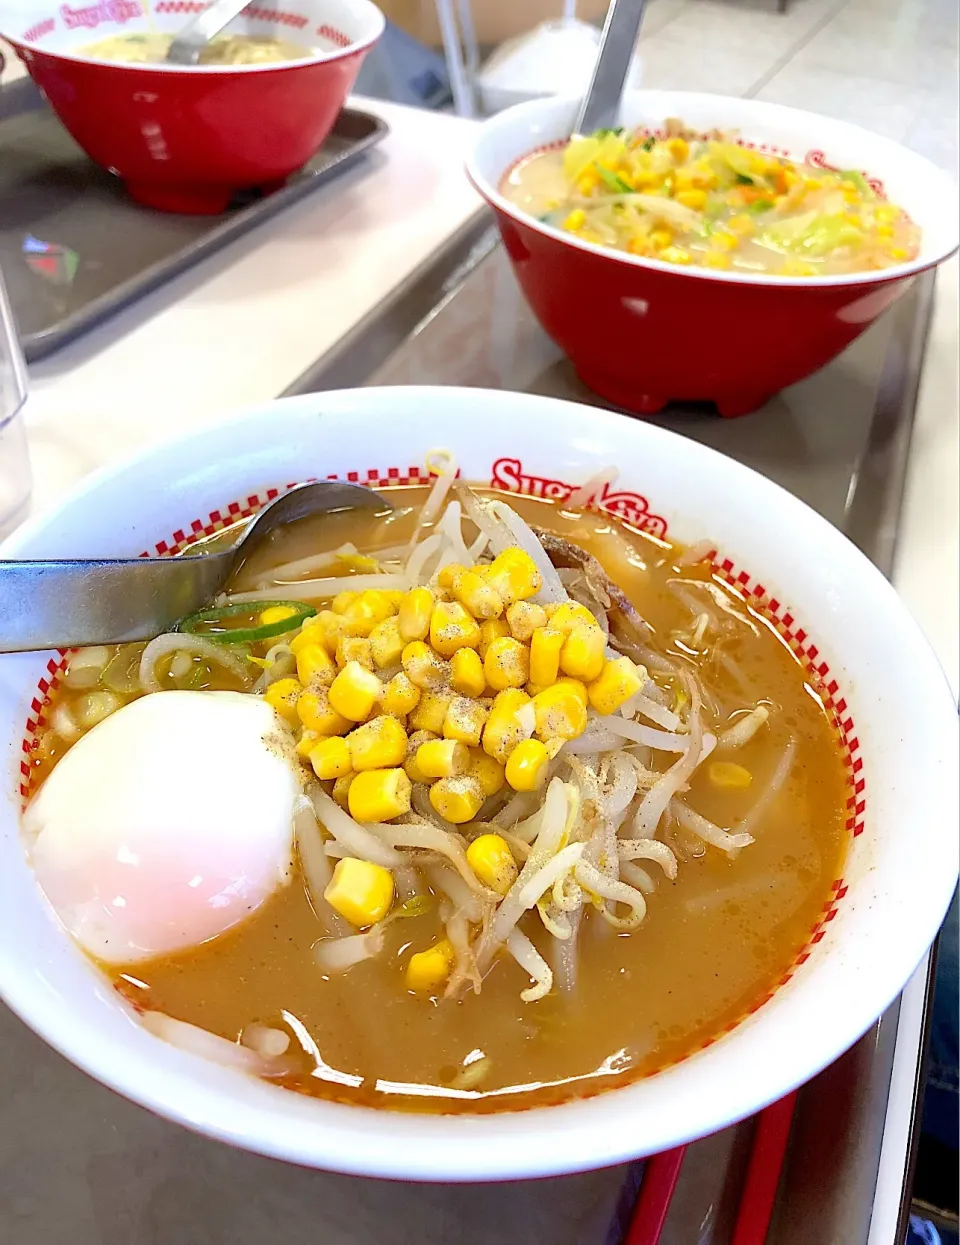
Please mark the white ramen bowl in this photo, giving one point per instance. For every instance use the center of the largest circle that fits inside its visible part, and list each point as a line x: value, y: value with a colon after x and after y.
x: 899, y: 722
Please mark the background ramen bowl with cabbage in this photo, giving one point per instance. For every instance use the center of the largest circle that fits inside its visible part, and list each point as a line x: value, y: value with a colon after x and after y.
x: 854, y: 650
x: 186, y: 138
x: 722, y: 301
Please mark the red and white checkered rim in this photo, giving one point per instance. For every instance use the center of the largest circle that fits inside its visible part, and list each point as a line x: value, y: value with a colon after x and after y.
x: 634, y: 509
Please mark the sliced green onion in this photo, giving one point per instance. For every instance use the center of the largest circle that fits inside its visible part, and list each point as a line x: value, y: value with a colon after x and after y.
x: 416, y: 905
x: 612, y: 181
x: 858, y: 180
x: 205, y: 622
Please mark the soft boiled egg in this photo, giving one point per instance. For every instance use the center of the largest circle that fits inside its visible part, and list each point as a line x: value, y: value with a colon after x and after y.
x: 168, y: 823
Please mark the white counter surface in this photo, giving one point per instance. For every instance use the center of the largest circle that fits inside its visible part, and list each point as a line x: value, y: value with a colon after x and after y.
x: 243, y: 325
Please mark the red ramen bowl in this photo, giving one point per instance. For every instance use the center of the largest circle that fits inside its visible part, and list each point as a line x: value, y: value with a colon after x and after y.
x: 187, y: 138
x: 641, y: 332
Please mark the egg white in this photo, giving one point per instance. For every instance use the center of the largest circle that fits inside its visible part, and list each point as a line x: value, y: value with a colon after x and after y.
x: 167, y: 824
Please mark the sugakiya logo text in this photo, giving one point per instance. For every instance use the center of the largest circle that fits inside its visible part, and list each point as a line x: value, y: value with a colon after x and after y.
x: 508, y: 474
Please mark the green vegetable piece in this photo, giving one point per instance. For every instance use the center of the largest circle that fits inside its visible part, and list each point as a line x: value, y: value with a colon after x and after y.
x: 759, y: 206
x: 207, y: 622
x: 743, y: 181
x: 858, y: 180
x: 647, y: 144
x: 613, y: 182
x: 416, y: 905
x: 604, y: 133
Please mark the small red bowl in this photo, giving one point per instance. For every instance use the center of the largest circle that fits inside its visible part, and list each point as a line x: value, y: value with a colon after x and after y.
x: 186, y: 139
x: 640, y: 332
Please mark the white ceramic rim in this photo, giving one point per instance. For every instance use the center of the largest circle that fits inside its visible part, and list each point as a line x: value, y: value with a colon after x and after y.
x: 591, y: 1133
x: 372, y: 21
x: 518, y: 117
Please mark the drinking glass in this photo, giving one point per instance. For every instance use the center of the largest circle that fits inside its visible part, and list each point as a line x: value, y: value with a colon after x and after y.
x: 14, y: 462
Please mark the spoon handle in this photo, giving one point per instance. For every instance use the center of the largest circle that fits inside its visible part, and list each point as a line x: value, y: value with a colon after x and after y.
x: 70, y: 604
x: 601, y: 104
x: 193, y: 38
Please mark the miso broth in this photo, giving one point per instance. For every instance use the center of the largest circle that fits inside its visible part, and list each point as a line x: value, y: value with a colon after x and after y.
x: 713, y: 944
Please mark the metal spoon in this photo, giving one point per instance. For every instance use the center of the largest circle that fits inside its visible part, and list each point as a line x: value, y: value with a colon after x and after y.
x: 69, y: 604
x: 601, y: 105
x: 194, y: 37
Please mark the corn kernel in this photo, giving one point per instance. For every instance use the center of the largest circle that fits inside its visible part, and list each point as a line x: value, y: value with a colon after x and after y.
x: 379, y: 795
x: 507, y: 664
x: 306, y: 743
x: 524, y: 617
x: 488, y: 772
x: 514, y: 575
x: 743, y: 226
x: 797, y: 268
x: 330, y: 758
x: 545, y: 646
x: 560, y: 713
x: 504, y: 728
x: 360, y: 891
x: 428, y: 970
x: 442, y: 758
x: 342, y: 600
x: 679, y: 148
x: 325, y: 628
x: 457, y: 799
x: 577, y: 686
x: 317, y: 713
x: 659, y: 238
x: 716, y: 259
x: 492, y: 861
x: 884, y: 231
x: 695, y: 199
x: 676, y: 255
x: 569, y: 614
x: 422, y: 666
x: 898, y: 253
x: 354, y: 692
x: 354, y: 648
x: 413, y: 618
x: 729, y: 776
x: 283, y: 696
x: 464, y: 721
x: 379, y: 744
x: 361, y: 562
x: 386, y: 642
x: 314, y: 664
x: 276, y: 614
x: 452, y: 627
x: 476, y: 595
x: 576, y: 220
x: 527, y: 765
x: 414, y: 743
x: 369, y: 608
x: 400, y: 696
x: 447, y: 574
x: 466, y: 673
x: 582, y: 653
x: 588, y: 182
x: 724, y: 241
x: 617, y: 682
x: 492, y: 629
x: 341, y: 790
x: 431, y: 711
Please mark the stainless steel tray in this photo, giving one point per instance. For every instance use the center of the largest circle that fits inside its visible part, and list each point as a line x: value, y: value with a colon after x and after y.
x: 75, y: 248
x: 840, y: 441
x: 80, y: 1166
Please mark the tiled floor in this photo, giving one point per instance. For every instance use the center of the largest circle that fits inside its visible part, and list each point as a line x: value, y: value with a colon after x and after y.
x: 889, y: 65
